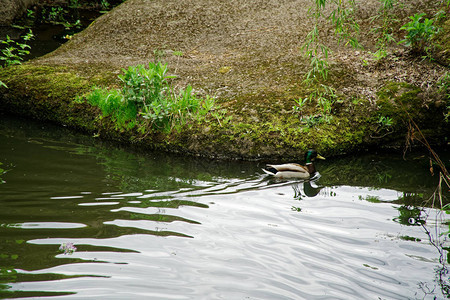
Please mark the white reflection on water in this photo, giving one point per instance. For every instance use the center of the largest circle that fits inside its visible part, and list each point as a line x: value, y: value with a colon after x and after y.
x: 47, y: 225
x: 250, y: 244
x: 157, y: 227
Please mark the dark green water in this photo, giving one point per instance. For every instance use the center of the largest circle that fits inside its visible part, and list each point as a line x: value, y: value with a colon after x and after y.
x: 157, y: 226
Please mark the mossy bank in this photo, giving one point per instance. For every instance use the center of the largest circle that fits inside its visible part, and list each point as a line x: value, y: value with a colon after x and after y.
x: 249, y: 59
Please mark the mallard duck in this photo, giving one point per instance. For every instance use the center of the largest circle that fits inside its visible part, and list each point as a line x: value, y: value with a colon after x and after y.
x: 293, y: 170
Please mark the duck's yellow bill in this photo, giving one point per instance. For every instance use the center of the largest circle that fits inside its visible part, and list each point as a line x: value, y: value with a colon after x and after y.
x: 320, y: 157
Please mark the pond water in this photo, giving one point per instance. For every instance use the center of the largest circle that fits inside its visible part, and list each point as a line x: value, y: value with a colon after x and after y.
x: 81, y: 218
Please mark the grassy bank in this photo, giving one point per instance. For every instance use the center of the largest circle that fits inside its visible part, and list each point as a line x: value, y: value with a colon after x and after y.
x: 279, y: 131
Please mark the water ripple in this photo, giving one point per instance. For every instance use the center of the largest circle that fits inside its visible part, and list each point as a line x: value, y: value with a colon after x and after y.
x: 150, y: 227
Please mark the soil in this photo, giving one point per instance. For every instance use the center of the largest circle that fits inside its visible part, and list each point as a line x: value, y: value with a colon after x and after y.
x: 233, y: 47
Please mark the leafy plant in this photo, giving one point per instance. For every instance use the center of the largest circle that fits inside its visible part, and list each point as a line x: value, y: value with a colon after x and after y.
x: 175, y: 110
x: 113, y: 104
x: 30, y: 14
x: 14, y: 51
x: 300, y: 104
x: 345, y: 28
x: 384, y: 31
x: 2, y: 171
x: 444, y: 88
x: 105, y: 5
x: 60, y: 16
x: 75, y: 4
x: 77, y: 24
x: 144, y: 86
x: 315, y: 120
x: 385, y: 121
x: 384, y: 127
x: 419, y: 33
x: 55, y: 15
x: 325, y: 96
x: 146, y: 93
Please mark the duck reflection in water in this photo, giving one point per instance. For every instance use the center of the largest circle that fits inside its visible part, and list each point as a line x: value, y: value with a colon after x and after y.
x: 310, y: 189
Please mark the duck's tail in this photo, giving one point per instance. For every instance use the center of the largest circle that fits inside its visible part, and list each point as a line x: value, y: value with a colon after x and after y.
x: 270, y: 170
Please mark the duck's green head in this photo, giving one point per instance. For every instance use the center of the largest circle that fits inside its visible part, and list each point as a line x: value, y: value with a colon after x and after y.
x: 311, y: 155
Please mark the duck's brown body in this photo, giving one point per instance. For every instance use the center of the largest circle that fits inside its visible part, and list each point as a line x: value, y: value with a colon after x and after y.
x: 293, y: 170
x: 289, y: 170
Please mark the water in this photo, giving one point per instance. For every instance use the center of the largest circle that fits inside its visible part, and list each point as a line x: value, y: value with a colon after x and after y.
x: 156, y: 226
x: 47, y: 37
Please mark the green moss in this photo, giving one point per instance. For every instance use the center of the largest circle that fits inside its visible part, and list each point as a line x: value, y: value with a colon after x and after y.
x: 264, y: 125
x: 47, y: 93
x: 401, y: 101
x: 441, y: 44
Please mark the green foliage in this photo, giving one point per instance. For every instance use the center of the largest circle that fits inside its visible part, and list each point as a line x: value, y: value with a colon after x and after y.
x: 444, y: 85
x: 178, y: 53
x: 75, y: 4
x: 385, y: 125
x: 343, y: 19
x: 105, y: 5
x: 164, y: 112
x: 30, y: 14
x: 113, y: 104
x: 146, y: 93
x: 385, y: 121
x: 419, y: 33
x: 345, y: 28
x: 145, y: 86
x: 14, y: 51
x: 324, y: 97
x: 300, y: 104
x: 444, y: 88
x: 175, y: 110
x: 57, y: 15
x: 384, y: 31
x: 158, y: 54
x: 2, y: 171
x: 317, y: 54
x: 312, y: 121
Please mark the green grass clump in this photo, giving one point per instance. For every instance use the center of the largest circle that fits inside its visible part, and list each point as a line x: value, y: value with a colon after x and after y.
x: 113, y: 104
x: 146, y: 93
